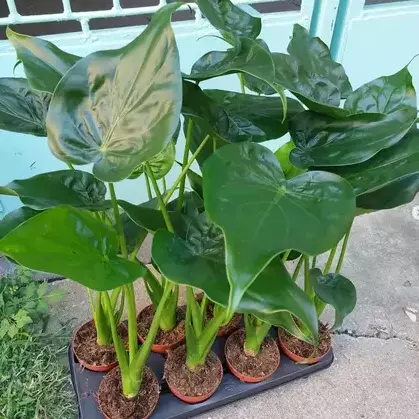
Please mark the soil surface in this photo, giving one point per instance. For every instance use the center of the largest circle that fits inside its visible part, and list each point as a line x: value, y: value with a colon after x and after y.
x: 263, y: 364
x: 230, y: 327
x: 304, y: 349
x: 87, y: 349
x: 205, y: 379
x: 145, y: 318
x: 115, y: 406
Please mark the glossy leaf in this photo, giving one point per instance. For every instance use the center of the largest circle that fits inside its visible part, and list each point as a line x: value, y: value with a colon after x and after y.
x: 253, y: 118
x: 44, y: 63
x: 247, y: 195
x: 64, y: 187
x: 283, y: 156
x: 117, y: 109
x: 382, y: 111
x: 15, y: 218
x: 390, y: 178
x: 160, y: 164
x: 254, y: 84
x: 21, y: 108
x: 199, y: 261
x: 336, y: 290
x: 314, y: 56
x: 230, y: 19
x: 248, y: 58
x: 73, y: 243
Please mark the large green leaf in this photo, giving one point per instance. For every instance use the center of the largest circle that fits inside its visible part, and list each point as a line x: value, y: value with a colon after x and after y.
x: 73, y: 243
x: 262, y: 214
x: 199, y: 261
x: 382, y: 112
x: 314, y: 56
x: 64, y: 187
x: 160, y: 164
x: 44, y: 63
x: 390, y: 178
x: 21, y: 108
x: 119, y: 108
x: 248, y: 57
x: 254, y: 118
x: 15, y: 218
x: 336, y: 290
x: 230, y: 19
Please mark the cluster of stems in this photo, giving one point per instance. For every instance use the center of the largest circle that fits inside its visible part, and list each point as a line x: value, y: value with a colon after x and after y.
x: 256, y: 331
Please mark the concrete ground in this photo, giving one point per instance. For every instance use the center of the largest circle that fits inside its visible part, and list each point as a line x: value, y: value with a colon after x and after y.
x: 376, y: 371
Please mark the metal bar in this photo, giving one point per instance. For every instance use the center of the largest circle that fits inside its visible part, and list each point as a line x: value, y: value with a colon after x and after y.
x: 66, y: 6
x: 12, y: 8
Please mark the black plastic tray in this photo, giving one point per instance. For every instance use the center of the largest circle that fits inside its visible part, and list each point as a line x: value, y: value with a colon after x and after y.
x: 86, y: 384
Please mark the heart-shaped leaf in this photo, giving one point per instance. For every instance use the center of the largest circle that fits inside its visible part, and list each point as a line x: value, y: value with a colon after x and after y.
x: 73, y: 243
x: 383, y: 111
x: 21, y: 108
x: 314, y: 56
x: 262, y: 214
x: 64, y: 187
x: 117, y: 109
x: 230, y: 19
x: 390, y: 178
x: 15, y: 218
x: 160, y: 164
x: 43, y: 62
x: 199, y: 261
x: 336, y: 290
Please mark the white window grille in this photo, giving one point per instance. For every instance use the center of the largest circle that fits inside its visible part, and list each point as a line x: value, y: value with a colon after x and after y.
x: 84, y: 17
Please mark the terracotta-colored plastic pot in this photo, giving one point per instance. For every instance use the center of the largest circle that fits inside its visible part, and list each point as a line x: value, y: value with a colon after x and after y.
x: 297, y: 358
x: 96, y: 368
x: 248, y: 378
x: 163, y: 349
x: 196, y: 399
x: 144, y: 417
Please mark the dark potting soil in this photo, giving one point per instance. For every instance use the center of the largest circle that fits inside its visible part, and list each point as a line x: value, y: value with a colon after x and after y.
x: 263, y: 364
x: 145, y: 318
x: 304, y: 349
x: 87, y: 349
x: 115, y: 406
x: 205, y: 379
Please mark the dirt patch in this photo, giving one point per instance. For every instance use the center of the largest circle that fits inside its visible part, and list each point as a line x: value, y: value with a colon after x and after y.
x: 205, y: 379
x: 264, y: 364
x: 176, y: 335
x: 87, y: 349
x: 304, y: 349
x: 113, y: 403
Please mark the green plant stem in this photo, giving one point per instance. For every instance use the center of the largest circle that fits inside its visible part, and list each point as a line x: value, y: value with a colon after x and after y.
x: 256, y: 332
x: 195, y: 311
x: 313, y: 263
x: 204, y: 304
x: 119, y: 228
x: 242, y: 88
x: 179, y: 205
x: 330, y: 260
x: 132, y: 320
x: 214, y: 145
x: 147, y: 184
x: 184, y: 171
x: 286, y: 255
x: 308, y: 286
x: 92, y: 304
x: 160, y: 200
x: 70, y: 166
x: 343, y: 250
x: 297, y: 268
x: 164, y: 185
x: 134, y: 253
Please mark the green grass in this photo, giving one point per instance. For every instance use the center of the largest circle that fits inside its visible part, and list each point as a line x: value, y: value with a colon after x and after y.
x: 34, y: 379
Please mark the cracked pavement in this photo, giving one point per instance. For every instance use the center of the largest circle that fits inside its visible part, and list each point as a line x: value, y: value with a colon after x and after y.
x: 376, y: 368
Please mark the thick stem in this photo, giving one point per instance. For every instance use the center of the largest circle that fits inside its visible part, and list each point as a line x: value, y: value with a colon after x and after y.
x: 179, y: 205
x: 255, y: 335
x: 120, y: 230
x: 242, y: 88
x: 297, y: 268
x: 132, y: 321
x: 164, y: 185
x: 343, y: 250
x: 330, y: 260
x: 308, y: 286
x: 169, y: 317
x: 184, y: 171
x: 103, y: 333
x: 195, y: 312
x: 162, y: 204
x: 147, y: 184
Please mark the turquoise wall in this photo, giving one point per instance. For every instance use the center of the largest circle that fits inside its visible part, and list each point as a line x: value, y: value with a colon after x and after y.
x: 369, y: 40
